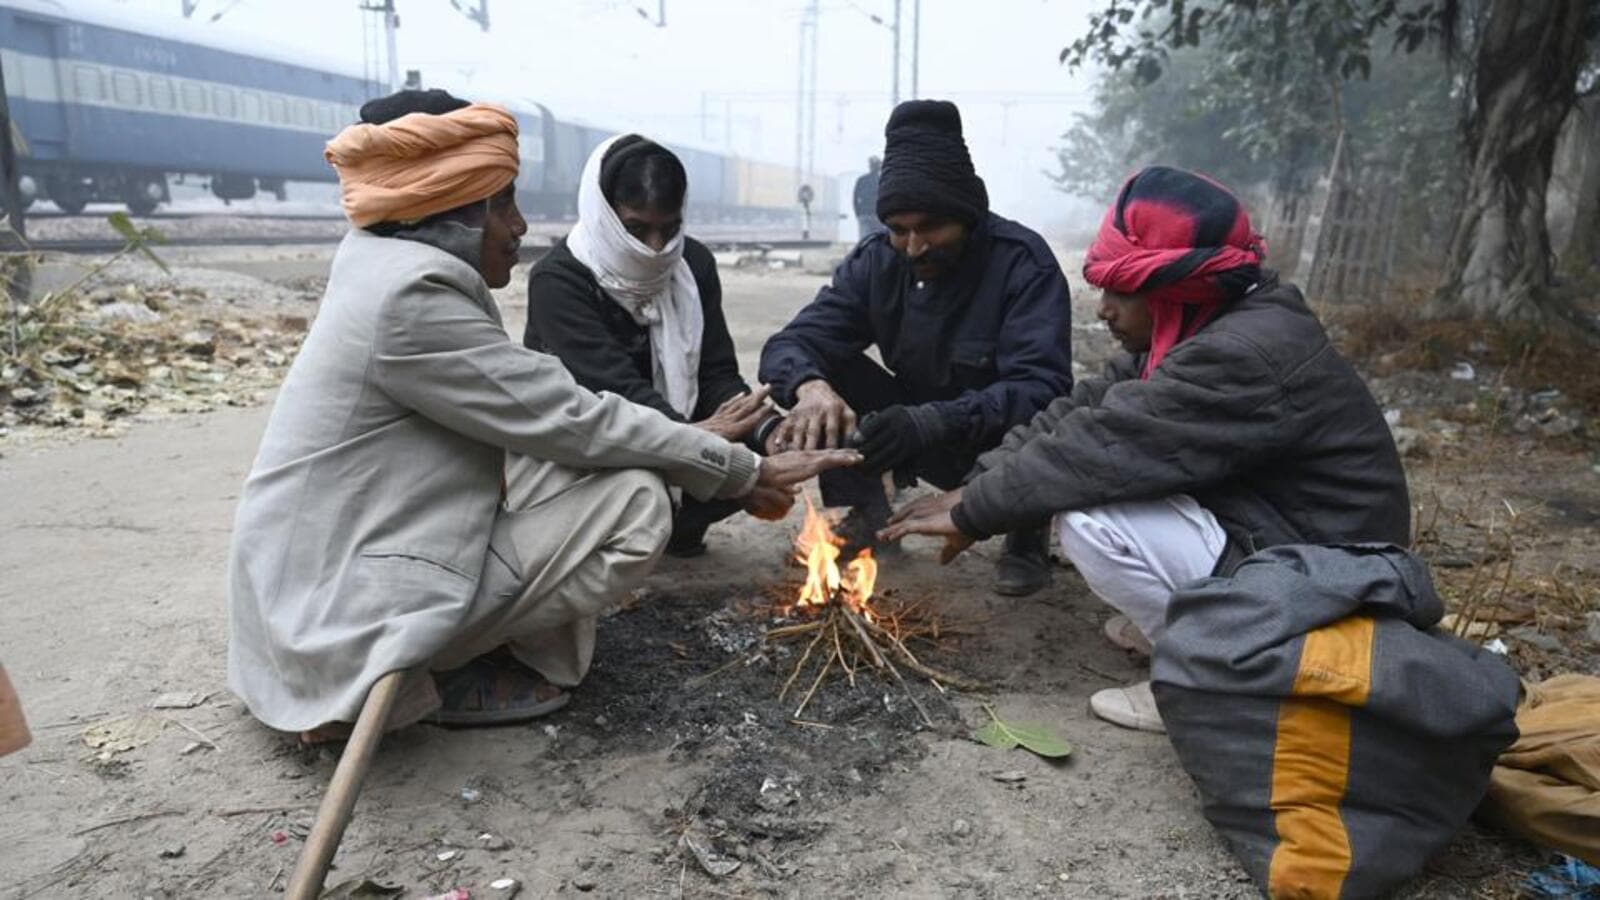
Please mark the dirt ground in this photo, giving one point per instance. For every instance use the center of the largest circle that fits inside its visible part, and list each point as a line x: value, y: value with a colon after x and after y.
x: 112, y: 595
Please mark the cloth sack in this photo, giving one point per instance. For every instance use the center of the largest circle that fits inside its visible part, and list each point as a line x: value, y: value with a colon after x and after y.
x: 1338, y: 739
x: 1546, y: 788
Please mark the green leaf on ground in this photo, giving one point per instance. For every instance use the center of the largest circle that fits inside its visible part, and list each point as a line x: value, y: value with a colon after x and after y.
x: 1003, y: 735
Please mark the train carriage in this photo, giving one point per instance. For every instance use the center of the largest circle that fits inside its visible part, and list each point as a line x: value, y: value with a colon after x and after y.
x: 106, y: 108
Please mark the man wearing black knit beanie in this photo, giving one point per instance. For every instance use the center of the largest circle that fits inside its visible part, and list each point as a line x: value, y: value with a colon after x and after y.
x: 971, y: 318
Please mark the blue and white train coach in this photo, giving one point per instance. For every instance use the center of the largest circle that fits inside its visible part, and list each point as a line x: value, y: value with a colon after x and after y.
x: 105, y: 113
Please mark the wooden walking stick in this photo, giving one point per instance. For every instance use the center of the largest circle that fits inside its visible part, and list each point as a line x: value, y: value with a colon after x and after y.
x: 334, y: 813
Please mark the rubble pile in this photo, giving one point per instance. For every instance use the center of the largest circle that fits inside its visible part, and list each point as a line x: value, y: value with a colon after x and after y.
x: 96, y: 357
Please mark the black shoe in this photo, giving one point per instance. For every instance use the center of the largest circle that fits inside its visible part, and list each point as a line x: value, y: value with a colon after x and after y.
x: 1024, y: 565
x: 860, y: 528
x: 687, y: 542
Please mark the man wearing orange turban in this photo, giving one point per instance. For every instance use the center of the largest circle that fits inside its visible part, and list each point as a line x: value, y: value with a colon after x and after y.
x: 374, y: 533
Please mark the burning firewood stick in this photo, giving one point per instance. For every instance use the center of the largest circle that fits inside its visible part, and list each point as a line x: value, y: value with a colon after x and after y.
x: 340, y: 800
x: 882, y: 663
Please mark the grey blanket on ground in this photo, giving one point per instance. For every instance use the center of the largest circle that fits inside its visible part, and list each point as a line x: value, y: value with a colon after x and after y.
x: 1337, y: 737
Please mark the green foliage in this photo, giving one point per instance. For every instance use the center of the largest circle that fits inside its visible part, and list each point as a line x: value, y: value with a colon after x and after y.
x: 1035, y: 738
x: 137, y: 238
x: 1254, y: 117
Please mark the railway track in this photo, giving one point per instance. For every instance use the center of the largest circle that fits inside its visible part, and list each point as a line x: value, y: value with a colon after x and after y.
x: 528, y: 252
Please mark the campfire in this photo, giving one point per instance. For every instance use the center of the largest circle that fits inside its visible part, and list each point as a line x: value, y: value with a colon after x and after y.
x: 847, y: 628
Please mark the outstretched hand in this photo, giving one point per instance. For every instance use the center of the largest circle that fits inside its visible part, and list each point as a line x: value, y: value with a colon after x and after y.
x: 930, y: 515
x: 782, y: 470
x: 738, y: 415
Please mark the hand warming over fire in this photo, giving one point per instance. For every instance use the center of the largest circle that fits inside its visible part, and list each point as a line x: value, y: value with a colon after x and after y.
x: 786, y: 470
x: 930, y: 515
x: 738, y: 415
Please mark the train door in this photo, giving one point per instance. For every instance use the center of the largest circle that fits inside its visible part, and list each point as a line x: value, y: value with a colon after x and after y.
x: 33, y: 88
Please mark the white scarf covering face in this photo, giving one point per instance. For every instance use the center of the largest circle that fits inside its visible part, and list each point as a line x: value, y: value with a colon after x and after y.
x: 657, y: 289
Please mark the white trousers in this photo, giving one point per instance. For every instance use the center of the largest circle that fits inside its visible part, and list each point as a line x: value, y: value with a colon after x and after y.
x: 1135, y: 554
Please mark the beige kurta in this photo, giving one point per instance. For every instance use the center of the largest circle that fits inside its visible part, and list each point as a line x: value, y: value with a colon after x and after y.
x: 362, y: 540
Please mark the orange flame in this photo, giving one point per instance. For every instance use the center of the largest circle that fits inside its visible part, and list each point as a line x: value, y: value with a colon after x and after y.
x: 818, y: 549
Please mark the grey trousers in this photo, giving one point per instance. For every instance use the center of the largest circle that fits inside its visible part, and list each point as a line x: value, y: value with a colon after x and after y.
x: 566, y: 545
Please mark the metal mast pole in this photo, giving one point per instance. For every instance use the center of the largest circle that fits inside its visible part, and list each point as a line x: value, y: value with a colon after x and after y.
x: 811, y: 113
x: 916, y: 45
x: 895, y: 92
x: 391, y: 24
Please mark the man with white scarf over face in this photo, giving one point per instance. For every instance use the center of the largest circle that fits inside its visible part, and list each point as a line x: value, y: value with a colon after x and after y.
x: 633, y: 306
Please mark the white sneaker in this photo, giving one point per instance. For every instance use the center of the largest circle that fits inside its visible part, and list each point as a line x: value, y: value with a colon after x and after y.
x: 1121, y: 631
x: 1133, y: 707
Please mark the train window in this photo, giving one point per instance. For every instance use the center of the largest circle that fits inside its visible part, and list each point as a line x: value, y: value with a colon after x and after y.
x: 87, y: 83
x: 250, y: 106
x: 222, y: 102
x: 277, y: 111
x: 162, y: 99
x: 302, y: 114
x: 327, y: 119
x: 125, y: 89
x: 193, y: 96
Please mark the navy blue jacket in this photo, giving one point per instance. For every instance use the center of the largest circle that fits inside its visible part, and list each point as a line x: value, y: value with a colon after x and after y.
x: 988, y: 345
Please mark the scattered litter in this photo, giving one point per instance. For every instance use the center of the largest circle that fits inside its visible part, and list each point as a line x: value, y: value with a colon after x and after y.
x: 470, y: 795
x: 493, y: 842
x: 1497, y: 646
x: 1534, y: 637
x: 173, y: 852
x: 180, y: 700
x: 361, y: 887
x: 1464, y: 372
x: 507, y: 887
x: 1476, y: 628
x: 279, y: 837
x: 1011, y: 776
x: 1570, y: 879
x: 452, y: 894
x: 552, y: 731
x: 715, y: 864
x: 123, y: 734
x: 447, y: 855
x: 776, y: 794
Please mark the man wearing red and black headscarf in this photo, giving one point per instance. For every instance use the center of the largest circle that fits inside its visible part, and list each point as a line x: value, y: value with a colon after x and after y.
x: 1229, y: 426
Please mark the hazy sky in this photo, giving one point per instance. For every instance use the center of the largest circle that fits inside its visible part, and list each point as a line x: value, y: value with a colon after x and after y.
x: 600, y: 61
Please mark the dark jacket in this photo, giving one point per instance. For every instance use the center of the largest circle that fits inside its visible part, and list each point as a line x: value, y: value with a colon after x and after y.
x: 987, y: 346
x: 570, y: 317
x: 1257, y: 417
x: 866, y: 196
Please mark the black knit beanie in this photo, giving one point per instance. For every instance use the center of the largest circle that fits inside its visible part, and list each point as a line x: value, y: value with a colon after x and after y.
x: 926, y: 167
x: 434, y: 102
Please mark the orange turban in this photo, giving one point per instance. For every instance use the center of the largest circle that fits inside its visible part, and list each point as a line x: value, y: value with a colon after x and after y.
x: 421, y: 164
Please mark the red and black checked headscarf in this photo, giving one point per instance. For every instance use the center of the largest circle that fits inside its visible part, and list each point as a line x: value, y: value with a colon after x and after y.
x: 1181, y: 241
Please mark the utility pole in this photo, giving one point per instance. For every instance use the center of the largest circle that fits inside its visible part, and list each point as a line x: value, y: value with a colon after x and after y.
x: 894, y: 93
x: 16, y: 273
x: 391, y: 23
x: 916, y: 45
x: 811, y: 112
x: 806, y: 77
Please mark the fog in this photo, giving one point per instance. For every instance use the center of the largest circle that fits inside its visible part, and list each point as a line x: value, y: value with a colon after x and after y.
x: 720, y: 74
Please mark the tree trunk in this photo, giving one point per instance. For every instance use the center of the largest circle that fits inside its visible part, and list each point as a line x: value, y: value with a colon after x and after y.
x: 1525, y: 75
x: 1582, y: 251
